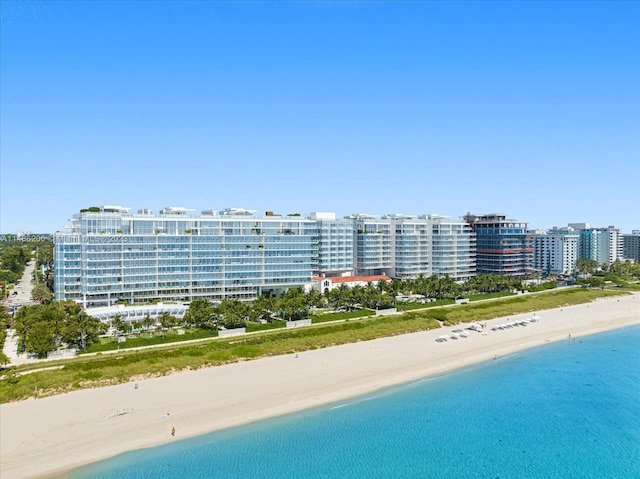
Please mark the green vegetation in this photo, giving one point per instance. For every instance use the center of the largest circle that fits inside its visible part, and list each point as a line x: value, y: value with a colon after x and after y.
x: 542, y: 286
x: 252, y: 327
x: 150, y: 339
x: 481, y: 296
x: 418, y: 305
x: 93, y: 371
x: 43, y: 327
x: 587, y: 266
x: 5, y: 320
x: 13, y: 259
x: 14, y: 256
x: 521, y: 304
x: 340, y: 315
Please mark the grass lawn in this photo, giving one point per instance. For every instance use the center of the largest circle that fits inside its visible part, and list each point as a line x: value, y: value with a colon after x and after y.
x: 432, y: 304
x: 481, y: 296
x: 149, y: 339
x: 326, y: 317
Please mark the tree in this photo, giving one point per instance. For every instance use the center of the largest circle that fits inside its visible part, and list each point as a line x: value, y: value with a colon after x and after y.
x: 39, y: 328
x: 147, y: 322
x: 117, y: 324
x: 313, y: 298
x: 77, y: 327
x: 263, y: 308
x: 81, y: 329
x: 41, y: 338
x: 4, y: 359
x: 592, y: 282
x: 233, y: 313
x: 199, y: 313
x: 587, y: 266
x: 167, y: 320
x: 625, y: 268
x: 293, y: 309
x: 342, y: 296
x: 41, y: 294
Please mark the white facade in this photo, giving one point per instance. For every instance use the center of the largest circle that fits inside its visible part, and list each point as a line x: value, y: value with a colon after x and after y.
x: 453, y: 248
x: 555, y: 251
x: 113, y: 256
x: 603, y: 245
x: 406, y: 247
x: 333, y: 251
x: 373, y: 244
x: 325, y: 284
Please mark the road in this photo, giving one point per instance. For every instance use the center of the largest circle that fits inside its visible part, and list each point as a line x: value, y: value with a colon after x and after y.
x: 21, y: 293
x: 22, y: 298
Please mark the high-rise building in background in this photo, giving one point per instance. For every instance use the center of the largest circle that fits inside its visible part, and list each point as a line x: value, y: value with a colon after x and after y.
x: 603, y: 245
x: 555, y: 251
x: 631, y: 246
x: 503, y: 245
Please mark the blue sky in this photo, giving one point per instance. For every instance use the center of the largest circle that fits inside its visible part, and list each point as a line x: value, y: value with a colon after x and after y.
x: 530, y: 109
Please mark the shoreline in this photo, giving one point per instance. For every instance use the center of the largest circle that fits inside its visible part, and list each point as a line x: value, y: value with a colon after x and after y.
x: 49, y: 437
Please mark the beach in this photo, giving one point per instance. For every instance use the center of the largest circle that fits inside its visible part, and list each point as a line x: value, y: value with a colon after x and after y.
x: 49, y: 436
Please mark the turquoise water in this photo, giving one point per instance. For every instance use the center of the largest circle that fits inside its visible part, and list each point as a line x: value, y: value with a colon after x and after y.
x: 565, y: 410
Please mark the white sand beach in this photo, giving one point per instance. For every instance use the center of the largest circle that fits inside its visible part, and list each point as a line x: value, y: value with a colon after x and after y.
x: 48, y: 436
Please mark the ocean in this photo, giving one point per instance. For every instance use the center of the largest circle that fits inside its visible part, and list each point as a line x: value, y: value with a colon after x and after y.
x: 569, y: 409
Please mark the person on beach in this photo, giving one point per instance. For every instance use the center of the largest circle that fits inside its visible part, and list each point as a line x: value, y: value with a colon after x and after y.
x: 173, y: 431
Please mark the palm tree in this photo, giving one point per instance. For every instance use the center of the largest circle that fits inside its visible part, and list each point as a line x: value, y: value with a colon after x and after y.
x: 263, y: 307
x: 147, y: 322
x: 313, y: 297
x: 41, y: 294
x: 166, y: 320
x: 117, y: 324
x: 81, y: 327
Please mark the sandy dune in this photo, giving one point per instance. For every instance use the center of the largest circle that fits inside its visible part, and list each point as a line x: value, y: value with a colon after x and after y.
x: 46, y: 437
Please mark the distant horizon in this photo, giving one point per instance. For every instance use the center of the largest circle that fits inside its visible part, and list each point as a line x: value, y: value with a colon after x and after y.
x: 526, y: 108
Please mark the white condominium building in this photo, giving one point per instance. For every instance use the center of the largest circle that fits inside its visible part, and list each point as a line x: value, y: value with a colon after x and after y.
x: 453, y: 248
x: 373, y: 246
x: 112, y: 255
x: 555, y: 251
x: 406, y: 247
x: 332, y: 245
x: 603, y: 245
x: 432, y: 244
